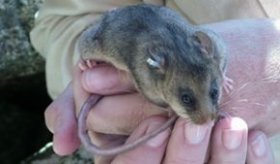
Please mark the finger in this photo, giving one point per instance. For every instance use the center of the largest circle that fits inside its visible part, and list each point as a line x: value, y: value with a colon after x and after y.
x: 120, y: 114
x: 229, y: 141
x: 131, y: 108
x: 60, y: 120
x: 259, y: 149
x: 101, y: 79
x: 80, y: 94
x: 106, y: 80
x: 106, y: 141
x: 188, y: 143
x: 150, y: 152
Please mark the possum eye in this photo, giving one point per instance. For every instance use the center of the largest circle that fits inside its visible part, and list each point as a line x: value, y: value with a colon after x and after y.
x: 214, y: 92
x: 187, y: 99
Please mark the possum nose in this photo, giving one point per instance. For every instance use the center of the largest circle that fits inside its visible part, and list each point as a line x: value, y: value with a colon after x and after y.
x: 204, y: 116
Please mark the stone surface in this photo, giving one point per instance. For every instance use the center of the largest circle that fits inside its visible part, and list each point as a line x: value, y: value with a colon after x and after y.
x: 23, y: 96
x: 17, y: 57
x: 47, y: 156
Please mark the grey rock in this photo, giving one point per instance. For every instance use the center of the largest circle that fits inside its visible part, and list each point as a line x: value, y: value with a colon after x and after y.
x: 47, y: 156
x: 17, y: 57
x: 20, y: 66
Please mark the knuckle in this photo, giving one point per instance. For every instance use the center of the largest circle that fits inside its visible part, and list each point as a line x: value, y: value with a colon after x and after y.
x: 127, y: 159
x: 51, y: 114
x: 51, y: 109
x: 183, y: 161
x: 228, y: 161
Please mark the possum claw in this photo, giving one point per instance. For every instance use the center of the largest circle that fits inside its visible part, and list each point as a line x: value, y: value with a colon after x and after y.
x: 90, y: 63
x: 82, y: 66
x: 87, y: 64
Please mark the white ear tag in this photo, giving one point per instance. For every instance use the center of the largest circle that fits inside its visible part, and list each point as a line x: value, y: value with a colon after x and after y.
x: 153, y: 63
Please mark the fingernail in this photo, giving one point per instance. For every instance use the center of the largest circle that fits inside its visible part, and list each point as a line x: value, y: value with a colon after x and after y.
x: 258, y: 145
x: 195, y: 133
x: 232, y: 137
x: 159, y: 139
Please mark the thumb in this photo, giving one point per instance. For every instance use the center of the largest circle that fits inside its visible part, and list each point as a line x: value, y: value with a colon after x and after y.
x: 61, y: 121
x: 106, y: 80
x: 153, y: 149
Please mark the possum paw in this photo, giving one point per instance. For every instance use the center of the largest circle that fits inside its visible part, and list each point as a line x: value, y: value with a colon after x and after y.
x: 87, y: 64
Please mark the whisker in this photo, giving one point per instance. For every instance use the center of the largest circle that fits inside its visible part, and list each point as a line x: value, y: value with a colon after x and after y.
x: 243, y: 100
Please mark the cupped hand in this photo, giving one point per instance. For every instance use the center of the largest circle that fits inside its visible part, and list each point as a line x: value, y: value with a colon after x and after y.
x: 60, y: 119
x: 121, y: 100
x: 186, y: 138
x: 61, y: 114
x: 188, y: 144
x: 219, y: 144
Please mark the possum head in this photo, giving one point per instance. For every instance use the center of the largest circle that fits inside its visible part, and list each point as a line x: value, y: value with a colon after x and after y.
x: 184, y: 74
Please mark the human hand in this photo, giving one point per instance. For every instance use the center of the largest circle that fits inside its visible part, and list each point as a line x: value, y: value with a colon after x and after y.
x: 119, y: 102
x: 188, y: 143
x: 60, y: 115
x: 60, y: 119
x: 253, y: 63
x: 64, y: 139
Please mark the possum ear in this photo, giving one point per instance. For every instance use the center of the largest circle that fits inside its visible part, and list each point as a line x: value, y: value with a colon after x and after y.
x: 156, y: 61
x: 203, y: 43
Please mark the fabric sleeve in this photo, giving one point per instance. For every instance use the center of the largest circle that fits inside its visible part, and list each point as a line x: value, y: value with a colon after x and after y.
x: 58, y: 25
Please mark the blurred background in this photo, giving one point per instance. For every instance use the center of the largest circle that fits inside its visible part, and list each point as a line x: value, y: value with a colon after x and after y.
x: 24, y: 137
x: 23, y: 96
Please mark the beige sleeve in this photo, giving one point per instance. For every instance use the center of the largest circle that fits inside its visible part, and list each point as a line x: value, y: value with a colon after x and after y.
x: 57, y: 28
